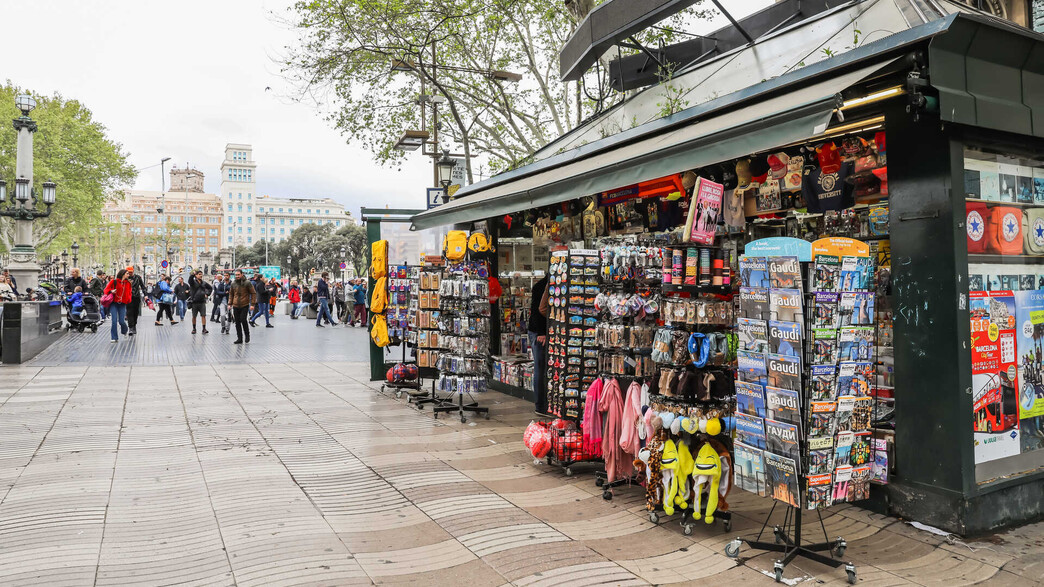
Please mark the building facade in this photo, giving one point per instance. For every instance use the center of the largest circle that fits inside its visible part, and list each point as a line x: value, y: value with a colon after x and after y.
x: 238, y: 186
x: 278, y: 217
x: 148, y: 223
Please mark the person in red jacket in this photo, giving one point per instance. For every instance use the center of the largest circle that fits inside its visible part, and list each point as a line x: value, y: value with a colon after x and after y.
x: 120, y: 288
x: 294, y: 297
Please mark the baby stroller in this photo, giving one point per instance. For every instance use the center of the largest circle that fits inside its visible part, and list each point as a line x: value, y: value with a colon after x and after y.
x: 88, y: 317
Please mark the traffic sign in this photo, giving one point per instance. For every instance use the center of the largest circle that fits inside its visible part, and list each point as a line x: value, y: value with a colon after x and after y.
x: 164, y: 264
x: 344, y: 265
x: 436, y: 197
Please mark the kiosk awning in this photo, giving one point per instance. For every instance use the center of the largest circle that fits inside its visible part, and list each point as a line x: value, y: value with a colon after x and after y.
x: 788, y: 118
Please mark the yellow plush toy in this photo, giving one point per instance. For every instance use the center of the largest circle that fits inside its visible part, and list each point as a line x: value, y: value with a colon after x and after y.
x: 685, y: 465
x: 669, y: 469
x: 706, y: 474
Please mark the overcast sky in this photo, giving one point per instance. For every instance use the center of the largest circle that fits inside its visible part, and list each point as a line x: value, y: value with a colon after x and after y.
x: 182, y: 79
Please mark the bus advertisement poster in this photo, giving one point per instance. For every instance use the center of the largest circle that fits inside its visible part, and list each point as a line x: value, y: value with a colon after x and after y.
x: 994, y: 375
x: 1029, y: 320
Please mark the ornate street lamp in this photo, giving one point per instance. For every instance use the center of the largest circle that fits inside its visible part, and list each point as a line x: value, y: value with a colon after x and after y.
x: 21, y: 204
x: 446, y: 165
x: 76, y: 251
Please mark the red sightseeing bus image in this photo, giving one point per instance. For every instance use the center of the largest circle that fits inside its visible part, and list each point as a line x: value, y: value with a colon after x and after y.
x: 996, y: 405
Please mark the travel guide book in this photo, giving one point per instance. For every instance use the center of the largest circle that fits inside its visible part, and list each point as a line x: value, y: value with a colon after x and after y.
x: 750, y: 430
x: 823, y: 382
x: 825, y: 310
x: 782, y: 405
x: 753, y: 334
x: 855, y: 274
x: 781, y: 475
x: 754, y: 272
x: 826, y: 273
x: 784, y: 338
x: 750, y: 399
x: 785, y: 305
x: 855, y: 343
x: 784, y: 372
x: 855, y: 378
x: 824, y: 346
x: 754, y: 303
x: 820, y: 491
x: 750, y: 469
x: 784, y: 272
x: 751, y: 367
x: 856, y: 308
x: 781, y: 438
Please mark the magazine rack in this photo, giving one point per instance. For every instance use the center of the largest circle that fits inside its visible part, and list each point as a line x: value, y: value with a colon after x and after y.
x: 817, y: 303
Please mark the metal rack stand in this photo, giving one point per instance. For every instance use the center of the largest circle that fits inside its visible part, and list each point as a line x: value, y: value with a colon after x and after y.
x: 791, y: 545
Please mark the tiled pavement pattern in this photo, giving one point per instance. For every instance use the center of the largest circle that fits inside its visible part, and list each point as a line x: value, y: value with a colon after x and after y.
x: 301, y: 473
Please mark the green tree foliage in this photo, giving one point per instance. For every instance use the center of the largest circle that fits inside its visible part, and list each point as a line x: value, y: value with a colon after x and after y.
x: 73, y: 150
x: 357, y: 247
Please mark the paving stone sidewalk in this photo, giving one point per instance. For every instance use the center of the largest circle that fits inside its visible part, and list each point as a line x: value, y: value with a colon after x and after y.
x: 302, y: 473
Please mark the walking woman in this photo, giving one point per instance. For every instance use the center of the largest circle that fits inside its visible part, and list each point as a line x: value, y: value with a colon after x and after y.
x: 165, y: 301
x: 120, y: 289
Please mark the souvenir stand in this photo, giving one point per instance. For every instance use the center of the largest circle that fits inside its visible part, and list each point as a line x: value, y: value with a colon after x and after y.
x: 400, y: 317
x: 464, y: 331
x: 424, y: 324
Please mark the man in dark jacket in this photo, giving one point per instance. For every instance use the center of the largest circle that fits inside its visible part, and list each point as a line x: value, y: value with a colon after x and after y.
x: 323, y: 295
x: 220, y: 296
x: 199, y: 291
x: 75, y: 280
x: 97, y: 289
x: 137, y: 295
x: 181, y: 294
x: 261, y: 290
x: 240, y: 296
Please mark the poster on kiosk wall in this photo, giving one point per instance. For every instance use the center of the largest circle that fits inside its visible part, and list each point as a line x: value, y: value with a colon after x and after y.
x: 1029, y: 328
x: 994, y: 375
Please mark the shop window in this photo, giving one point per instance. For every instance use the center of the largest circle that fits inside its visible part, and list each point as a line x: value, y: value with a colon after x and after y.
x: 1004, y: 207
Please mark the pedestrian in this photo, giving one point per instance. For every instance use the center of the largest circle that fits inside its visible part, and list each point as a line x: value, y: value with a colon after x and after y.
x: 294, y: 297
x: 120, y: 288
x: 261, y: 292
x: 241, y: 295
x: 537, y: 327
x: 75, y: 280
x: 323, y: 295
x: 181, y: 295
x: 76, y: 303
x: 199, y: 291
x: 359, y: 305
x: 138, y: 293
x: 273, y: 297
x: 97, y: 288
x: 339, y: 299
x: 7, y: 291
x: 220, y: 298
x: 10, y: 279
x: 307, y: 297
x: 165, y: 300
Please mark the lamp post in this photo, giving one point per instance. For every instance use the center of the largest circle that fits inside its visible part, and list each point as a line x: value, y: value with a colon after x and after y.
x: 76, y: 252
x: 288, y: 261
x: 21, y: 205
x: 65, y: 264
x: 445, y: 166
x: 267, y: 225
x: 344, y: 263
x: 163, y: 203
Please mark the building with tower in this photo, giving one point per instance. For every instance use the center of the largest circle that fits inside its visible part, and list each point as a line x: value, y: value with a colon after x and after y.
x: 238, y: 188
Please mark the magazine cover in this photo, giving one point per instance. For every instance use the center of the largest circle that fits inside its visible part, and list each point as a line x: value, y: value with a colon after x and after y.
x: 826, y: 310
x: 750, y: 399
x: 784, y: 372
x: 859, y: 484
x: 750, y: 430
x: 856, y: 308
x: 781, y: 438
x: 750, y: 469
x: 843, y: 415
x: 826, y: 273
x: 751, y: 367
x: 784, y: 273
x: 842, y: 477
x: 824, y: 346
x: 753, y: 334
x: 754, y: 272
x: 860, y: 452
x: 855, y: 343
x: 1029, y: 311
x: 861, y: 411
x: 855, y: 274
x: 819, y: 491
x: 823, y: 382
x: 782, y: 476
x: 843, y: 449
x: 782, y: 405
x: 879, y: 471
x: 821, y: 420
x: 821, y: 461
x: 785, y: 305
x: 705, y: 211
x: 855, y: 378
x: 784, y: 338
x: 754, y: 303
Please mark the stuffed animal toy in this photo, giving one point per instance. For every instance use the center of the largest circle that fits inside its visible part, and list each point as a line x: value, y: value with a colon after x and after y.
x: 706, y: 474
x: 685, y: 466
x: 689, y: 425
x: 653, y: 487
x: 668, y: 471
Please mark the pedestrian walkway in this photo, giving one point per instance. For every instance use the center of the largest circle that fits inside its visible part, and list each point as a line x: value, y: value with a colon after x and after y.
x: 290, y: 341
x: 301, y: 472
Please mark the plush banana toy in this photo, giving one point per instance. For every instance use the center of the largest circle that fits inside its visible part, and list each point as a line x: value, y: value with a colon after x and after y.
x: 668, y: 470
x: 706, y: 474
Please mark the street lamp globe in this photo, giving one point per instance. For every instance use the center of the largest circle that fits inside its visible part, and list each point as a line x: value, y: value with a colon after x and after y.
x: 48, y: 192
x: 75, y: 248
x: 3, y: 190
x: 22, y: 189
x: 288, y: 260
x: 25, y: 103
x: 445, y: 166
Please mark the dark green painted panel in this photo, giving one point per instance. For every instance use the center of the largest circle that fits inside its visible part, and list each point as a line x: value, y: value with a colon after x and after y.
x: 994, y: 73
x: 1033, y: 87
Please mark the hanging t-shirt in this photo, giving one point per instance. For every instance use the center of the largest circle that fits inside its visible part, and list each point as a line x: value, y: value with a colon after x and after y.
x: 827, y: 191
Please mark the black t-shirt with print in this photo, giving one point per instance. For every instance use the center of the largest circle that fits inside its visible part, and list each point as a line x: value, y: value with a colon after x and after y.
x: 827, y: 191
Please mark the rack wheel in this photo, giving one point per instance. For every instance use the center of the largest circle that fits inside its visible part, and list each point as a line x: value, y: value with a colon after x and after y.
x: 687, y: 529
x: 727, y: 524
x: 463, y: 418
x: 487, y: 415
x: 850, y: 569
x: 839, y: 548
x: 778, y: 570
x: 436, y: 415
x: 654, y: 518
x: 599, y: 482
x: 398, y: 394
x: 382, y: 388
x: 568, y: 472
x: 732, y: 549
x: 607, y: 495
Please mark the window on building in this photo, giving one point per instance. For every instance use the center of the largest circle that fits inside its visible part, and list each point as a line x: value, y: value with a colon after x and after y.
x: 239, y: 219
x: 201, y: 241
x: 249, y: 206
x: 298, y: 210
x: 262, y: 231
x: 239, y: 229
x: 229, y: 239
x: 337, y: 222
x: 283, y: 221
x: 230, y: 207
x: 248, y: 195
x: 148, y: 230
x: 239, y: 207
x: 229, y: 195
x: 250, y: 230
x: 250, y: 219
x: 230, y: 218
x: 201, y: 231
x: 250, y: 240
x: 282, y: 231
x: 308, y: 211
x: 240, y: 197
x: 213, y: 241
x: 280, y: 209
